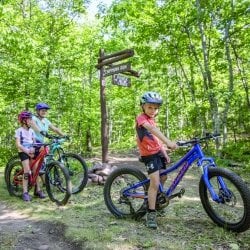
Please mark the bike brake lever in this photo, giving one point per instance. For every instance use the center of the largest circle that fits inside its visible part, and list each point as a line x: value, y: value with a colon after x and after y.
x: 182, y: 143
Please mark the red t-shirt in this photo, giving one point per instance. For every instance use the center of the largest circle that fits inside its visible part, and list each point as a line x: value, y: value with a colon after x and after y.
x: 148, y: 143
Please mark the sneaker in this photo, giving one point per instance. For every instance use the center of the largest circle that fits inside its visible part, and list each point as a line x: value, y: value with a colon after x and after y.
x: 26, y: 197
x: 151, y: 220
x: 40, y: 194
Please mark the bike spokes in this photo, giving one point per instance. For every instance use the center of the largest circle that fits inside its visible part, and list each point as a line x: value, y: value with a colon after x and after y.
x: 58, y: 184
x: 231, y: 210
x: 121, y: 199
x: 14, y: 178
x: 78, y: 171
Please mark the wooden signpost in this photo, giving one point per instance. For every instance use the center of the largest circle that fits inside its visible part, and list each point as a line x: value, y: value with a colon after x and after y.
x: 106, y: 65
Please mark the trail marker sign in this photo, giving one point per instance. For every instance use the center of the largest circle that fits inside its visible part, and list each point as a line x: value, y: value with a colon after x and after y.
x: 117, y: 69
x: 107, y: 66
x: 121, y: 80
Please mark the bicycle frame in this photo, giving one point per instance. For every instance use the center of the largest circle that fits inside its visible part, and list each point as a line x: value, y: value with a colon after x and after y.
x: 55, y: 146
x: 194, y: 155
x: 39, y: 159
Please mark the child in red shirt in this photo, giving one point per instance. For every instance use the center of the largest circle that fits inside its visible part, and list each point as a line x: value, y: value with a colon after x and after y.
x: 150, y: 143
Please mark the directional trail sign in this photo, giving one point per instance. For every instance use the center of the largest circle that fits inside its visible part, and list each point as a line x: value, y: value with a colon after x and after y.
x: 107, y: 66
x: 117, y: 69
x: 121, y: 80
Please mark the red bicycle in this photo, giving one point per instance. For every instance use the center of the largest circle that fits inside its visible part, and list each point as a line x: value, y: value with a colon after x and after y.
x: 57, y: 179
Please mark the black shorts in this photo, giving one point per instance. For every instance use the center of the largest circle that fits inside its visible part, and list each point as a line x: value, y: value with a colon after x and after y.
x: 23, y: 156
x: 154, y: 162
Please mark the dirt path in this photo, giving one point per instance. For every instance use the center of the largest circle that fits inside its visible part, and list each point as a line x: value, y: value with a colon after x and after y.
x: 18, y: 231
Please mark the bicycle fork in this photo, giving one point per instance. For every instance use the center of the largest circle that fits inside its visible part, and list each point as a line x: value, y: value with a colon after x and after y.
x: 223, y: 187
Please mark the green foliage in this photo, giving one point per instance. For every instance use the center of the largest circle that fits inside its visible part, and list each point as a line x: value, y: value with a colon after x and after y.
x: 238, y: 153
x: 49, y: 51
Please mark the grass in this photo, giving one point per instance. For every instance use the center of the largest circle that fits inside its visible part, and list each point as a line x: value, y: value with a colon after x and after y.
x: 185, y: 225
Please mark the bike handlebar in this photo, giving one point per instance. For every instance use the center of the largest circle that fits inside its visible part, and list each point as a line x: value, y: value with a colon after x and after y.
x: 197, y: 140
x: 56, y: 137
x: 53, y: 138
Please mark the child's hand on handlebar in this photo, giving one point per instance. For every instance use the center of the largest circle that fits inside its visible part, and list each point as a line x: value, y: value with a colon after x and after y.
x: 172, y: 145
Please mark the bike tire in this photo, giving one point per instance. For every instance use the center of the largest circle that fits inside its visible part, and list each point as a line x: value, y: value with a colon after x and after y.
x: 12, y: 159
x: 14, y: 178
x: 229, y: 215
x: 117, y: 204
x: 57, y: 182
x: 78, y: 171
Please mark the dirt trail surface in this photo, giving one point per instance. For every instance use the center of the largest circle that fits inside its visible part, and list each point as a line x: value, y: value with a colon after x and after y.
x: 24, y: 231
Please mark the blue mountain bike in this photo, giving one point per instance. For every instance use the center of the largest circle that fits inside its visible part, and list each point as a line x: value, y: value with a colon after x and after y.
x: 223, y: 194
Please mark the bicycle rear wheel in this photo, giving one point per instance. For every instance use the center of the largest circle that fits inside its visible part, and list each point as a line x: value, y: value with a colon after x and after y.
x: 115, y: 200
x: 11, y: 160
x: 78, y: 171
x: 58, y: 184
x: 233, y: 212
x: 14, y: 178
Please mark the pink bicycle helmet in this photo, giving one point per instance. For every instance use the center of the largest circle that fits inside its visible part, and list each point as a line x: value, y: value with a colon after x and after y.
x: 24, y: 115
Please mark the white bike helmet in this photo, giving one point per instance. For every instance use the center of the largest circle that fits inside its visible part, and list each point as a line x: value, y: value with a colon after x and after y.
x: 151, y: 97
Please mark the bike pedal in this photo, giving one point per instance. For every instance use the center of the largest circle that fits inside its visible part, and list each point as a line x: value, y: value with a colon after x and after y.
x: 181, y: 192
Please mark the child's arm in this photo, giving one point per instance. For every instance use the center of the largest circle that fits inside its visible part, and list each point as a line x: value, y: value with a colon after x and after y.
x: 155, y: 131
x: 56, y: 129
x: 34, y: 126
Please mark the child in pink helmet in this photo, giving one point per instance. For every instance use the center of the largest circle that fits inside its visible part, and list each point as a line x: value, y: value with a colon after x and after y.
x: 24, y: 140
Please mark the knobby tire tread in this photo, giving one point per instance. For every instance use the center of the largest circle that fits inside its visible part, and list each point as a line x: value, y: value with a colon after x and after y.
x: 242, y: 225
x: 82, y: 182
x: 67, y: 192
x: 107, y: 186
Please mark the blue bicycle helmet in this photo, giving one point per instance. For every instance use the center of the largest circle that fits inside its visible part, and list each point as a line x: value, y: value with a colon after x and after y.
x: 42, y: 105
x: 151, y: 97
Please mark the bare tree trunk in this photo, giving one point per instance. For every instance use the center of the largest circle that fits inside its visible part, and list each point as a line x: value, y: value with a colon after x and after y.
x: 231, y: 80
x: 242, y: 73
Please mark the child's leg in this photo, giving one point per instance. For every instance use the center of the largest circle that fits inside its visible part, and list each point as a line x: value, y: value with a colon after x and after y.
x: 37, y: 187
x: 153, y: 189
x: 26, y: 171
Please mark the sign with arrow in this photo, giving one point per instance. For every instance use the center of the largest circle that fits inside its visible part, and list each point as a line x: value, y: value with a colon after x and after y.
x: 117, y: 69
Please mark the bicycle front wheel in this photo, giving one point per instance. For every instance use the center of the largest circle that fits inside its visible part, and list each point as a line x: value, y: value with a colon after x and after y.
x: 78, y: 171
x: 115, y: 200
x: 58, y: 184
x: 233, y: 212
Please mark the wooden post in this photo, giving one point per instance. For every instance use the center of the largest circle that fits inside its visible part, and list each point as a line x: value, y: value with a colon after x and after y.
x: 104, y: 118
x: 108, y: 60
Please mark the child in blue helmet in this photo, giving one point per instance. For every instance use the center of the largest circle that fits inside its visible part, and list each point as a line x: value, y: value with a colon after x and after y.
x: 150, y: 143
x: 24, y: 139
x: 41, y: 125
